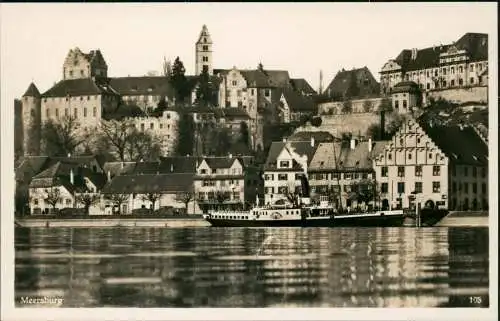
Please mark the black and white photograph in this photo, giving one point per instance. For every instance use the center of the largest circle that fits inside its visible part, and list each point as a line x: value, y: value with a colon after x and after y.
x: 290, y: 160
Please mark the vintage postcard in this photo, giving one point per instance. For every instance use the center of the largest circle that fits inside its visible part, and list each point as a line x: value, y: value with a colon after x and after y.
x: 306, y: 161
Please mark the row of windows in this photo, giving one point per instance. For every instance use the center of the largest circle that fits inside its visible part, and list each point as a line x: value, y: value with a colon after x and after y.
x: 465, y: 171
x: 396, y: 104
x: 339, y: 176
x: 436, y: 171
x: 436, y: 71
x: 232, y: 217
x: 226, y: 171
x: 151, y: 126
x: 68, y: 201
x: 409, y: 154
x: 81, y: 98
x: 465, y: 187
x: 418, y: 187
x: 223, y: 182
x: 75, y: 112
x: 211, y: 196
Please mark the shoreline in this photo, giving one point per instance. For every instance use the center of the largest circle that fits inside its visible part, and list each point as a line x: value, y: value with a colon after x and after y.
x: 453, y: 219
x: 112, y: 222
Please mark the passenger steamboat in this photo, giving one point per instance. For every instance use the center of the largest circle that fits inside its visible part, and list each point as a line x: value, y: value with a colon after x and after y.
x: 303, y: 213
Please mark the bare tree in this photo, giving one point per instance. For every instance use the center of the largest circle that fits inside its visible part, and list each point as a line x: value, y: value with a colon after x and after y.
x: 367, y: 106
x: 185, y: 198
x: 347, y: 107
x: 87, y: 200
x: 292, y: 194
x: 60, y: 138
x: 117, y: 133
x: 53, y: 197
x: 117, y: 200
x: 151, y: 197
x: 142, y: 146
x: 222, y: 197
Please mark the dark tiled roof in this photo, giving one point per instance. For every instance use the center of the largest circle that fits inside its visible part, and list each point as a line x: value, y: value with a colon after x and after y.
x: 117, y: 168
x: 319, y: 137
x: 220, y: 162
x: 257, y: 78
x: 150, y: 183
x: 346, y: 159
x: 124, y: 111
x: 79, y: 87
x: 342, y: 80
x: 461, y: 145
x: 95, y: 56
x: 262, y: 78
x: 406, y: 86
x: 233, y: 112
x: 32, y: 91
x: 297, y: 102
x: 302, y: 86
x: 30, y: 166
x: 274, y: 151
x: 476, y: 45
x: 180, y: 164
x: 128, y: 86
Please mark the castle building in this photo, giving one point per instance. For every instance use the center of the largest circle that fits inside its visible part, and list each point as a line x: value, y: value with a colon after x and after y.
x: 30, y: 123
x: 84, y: 65
x: 462, y: 64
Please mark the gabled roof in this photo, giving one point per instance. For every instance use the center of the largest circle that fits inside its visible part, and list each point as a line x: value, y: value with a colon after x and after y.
x: 297, y: 102
x: 220, y: 162
x: 342, y: 80
x: 142, y: 86
x: 179, y: 164
x: 117, y: 168
x: 301, y: 148
x: 257, y: 78
x: 301, y: 85
x: 461, y: 144
x: 150, y: 183
x: 476, y: 45
x: 334, y: 156
x: 30, y: 166
x: 406, y: 86
x: 80, y: 87
x: 32, y: 91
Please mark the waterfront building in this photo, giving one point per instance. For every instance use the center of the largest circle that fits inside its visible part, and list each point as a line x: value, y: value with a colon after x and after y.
x: 286, y: 162
x: 130, y: 193
x: 424, y: 164
x: 340, y: 169
x: 62, y: 185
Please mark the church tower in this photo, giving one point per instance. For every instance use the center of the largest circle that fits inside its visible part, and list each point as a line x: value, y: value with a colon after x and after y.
x: 204, y: 52
x: 31, y: 118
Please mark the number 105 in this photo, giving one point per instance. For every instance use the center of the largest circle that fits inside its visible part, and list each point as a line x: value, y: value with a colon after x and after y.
x: 475, y: 299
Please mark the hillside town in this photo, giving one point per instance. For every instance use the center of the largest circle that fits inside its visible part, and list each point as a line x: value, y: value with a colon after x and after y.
x: 236, y: 138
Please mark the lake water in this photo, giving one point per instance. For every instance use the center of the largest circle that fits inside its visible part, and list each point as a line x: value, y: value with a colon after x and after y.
x: 253, y: 267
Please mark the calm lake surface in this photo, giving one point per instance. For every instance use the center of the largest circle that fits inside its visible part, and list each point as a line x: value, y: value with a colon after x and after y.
x: 253, y: 267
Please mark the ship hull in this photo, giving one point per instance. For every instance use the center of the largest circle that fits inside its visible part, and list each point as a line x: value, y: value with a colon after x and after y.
x: 369, y: 221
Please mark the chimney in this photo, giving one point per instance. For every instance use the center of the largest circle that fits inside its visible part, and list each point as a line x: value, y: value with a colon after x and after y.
x: 353, y: 143
x: 382, y: 125
x: 71, y: 177
x: 109, y: 176
x: 370, y: 145
x: 121, y: 165
x: 284, y: 140
x: 230, y: 155
x: 312, y: 141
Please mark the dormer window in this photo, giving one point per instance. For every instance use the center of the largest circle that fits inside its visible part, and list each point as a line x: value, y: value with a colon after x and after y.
x: 203, y: 171
x: 284, y: 164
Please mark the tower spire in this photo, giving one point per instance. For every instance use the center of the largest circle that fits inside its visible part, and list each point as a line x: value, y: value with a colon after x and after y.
x: 320, y: 82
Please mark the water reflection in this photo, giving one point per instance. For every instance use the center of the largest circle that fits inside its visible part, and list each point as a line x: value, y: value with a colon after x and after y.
x: 243, y: 267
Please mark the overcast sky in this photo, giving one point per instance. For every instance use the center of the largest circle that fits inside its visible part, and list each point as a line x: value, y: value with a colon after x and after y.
x: 299, y: 37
